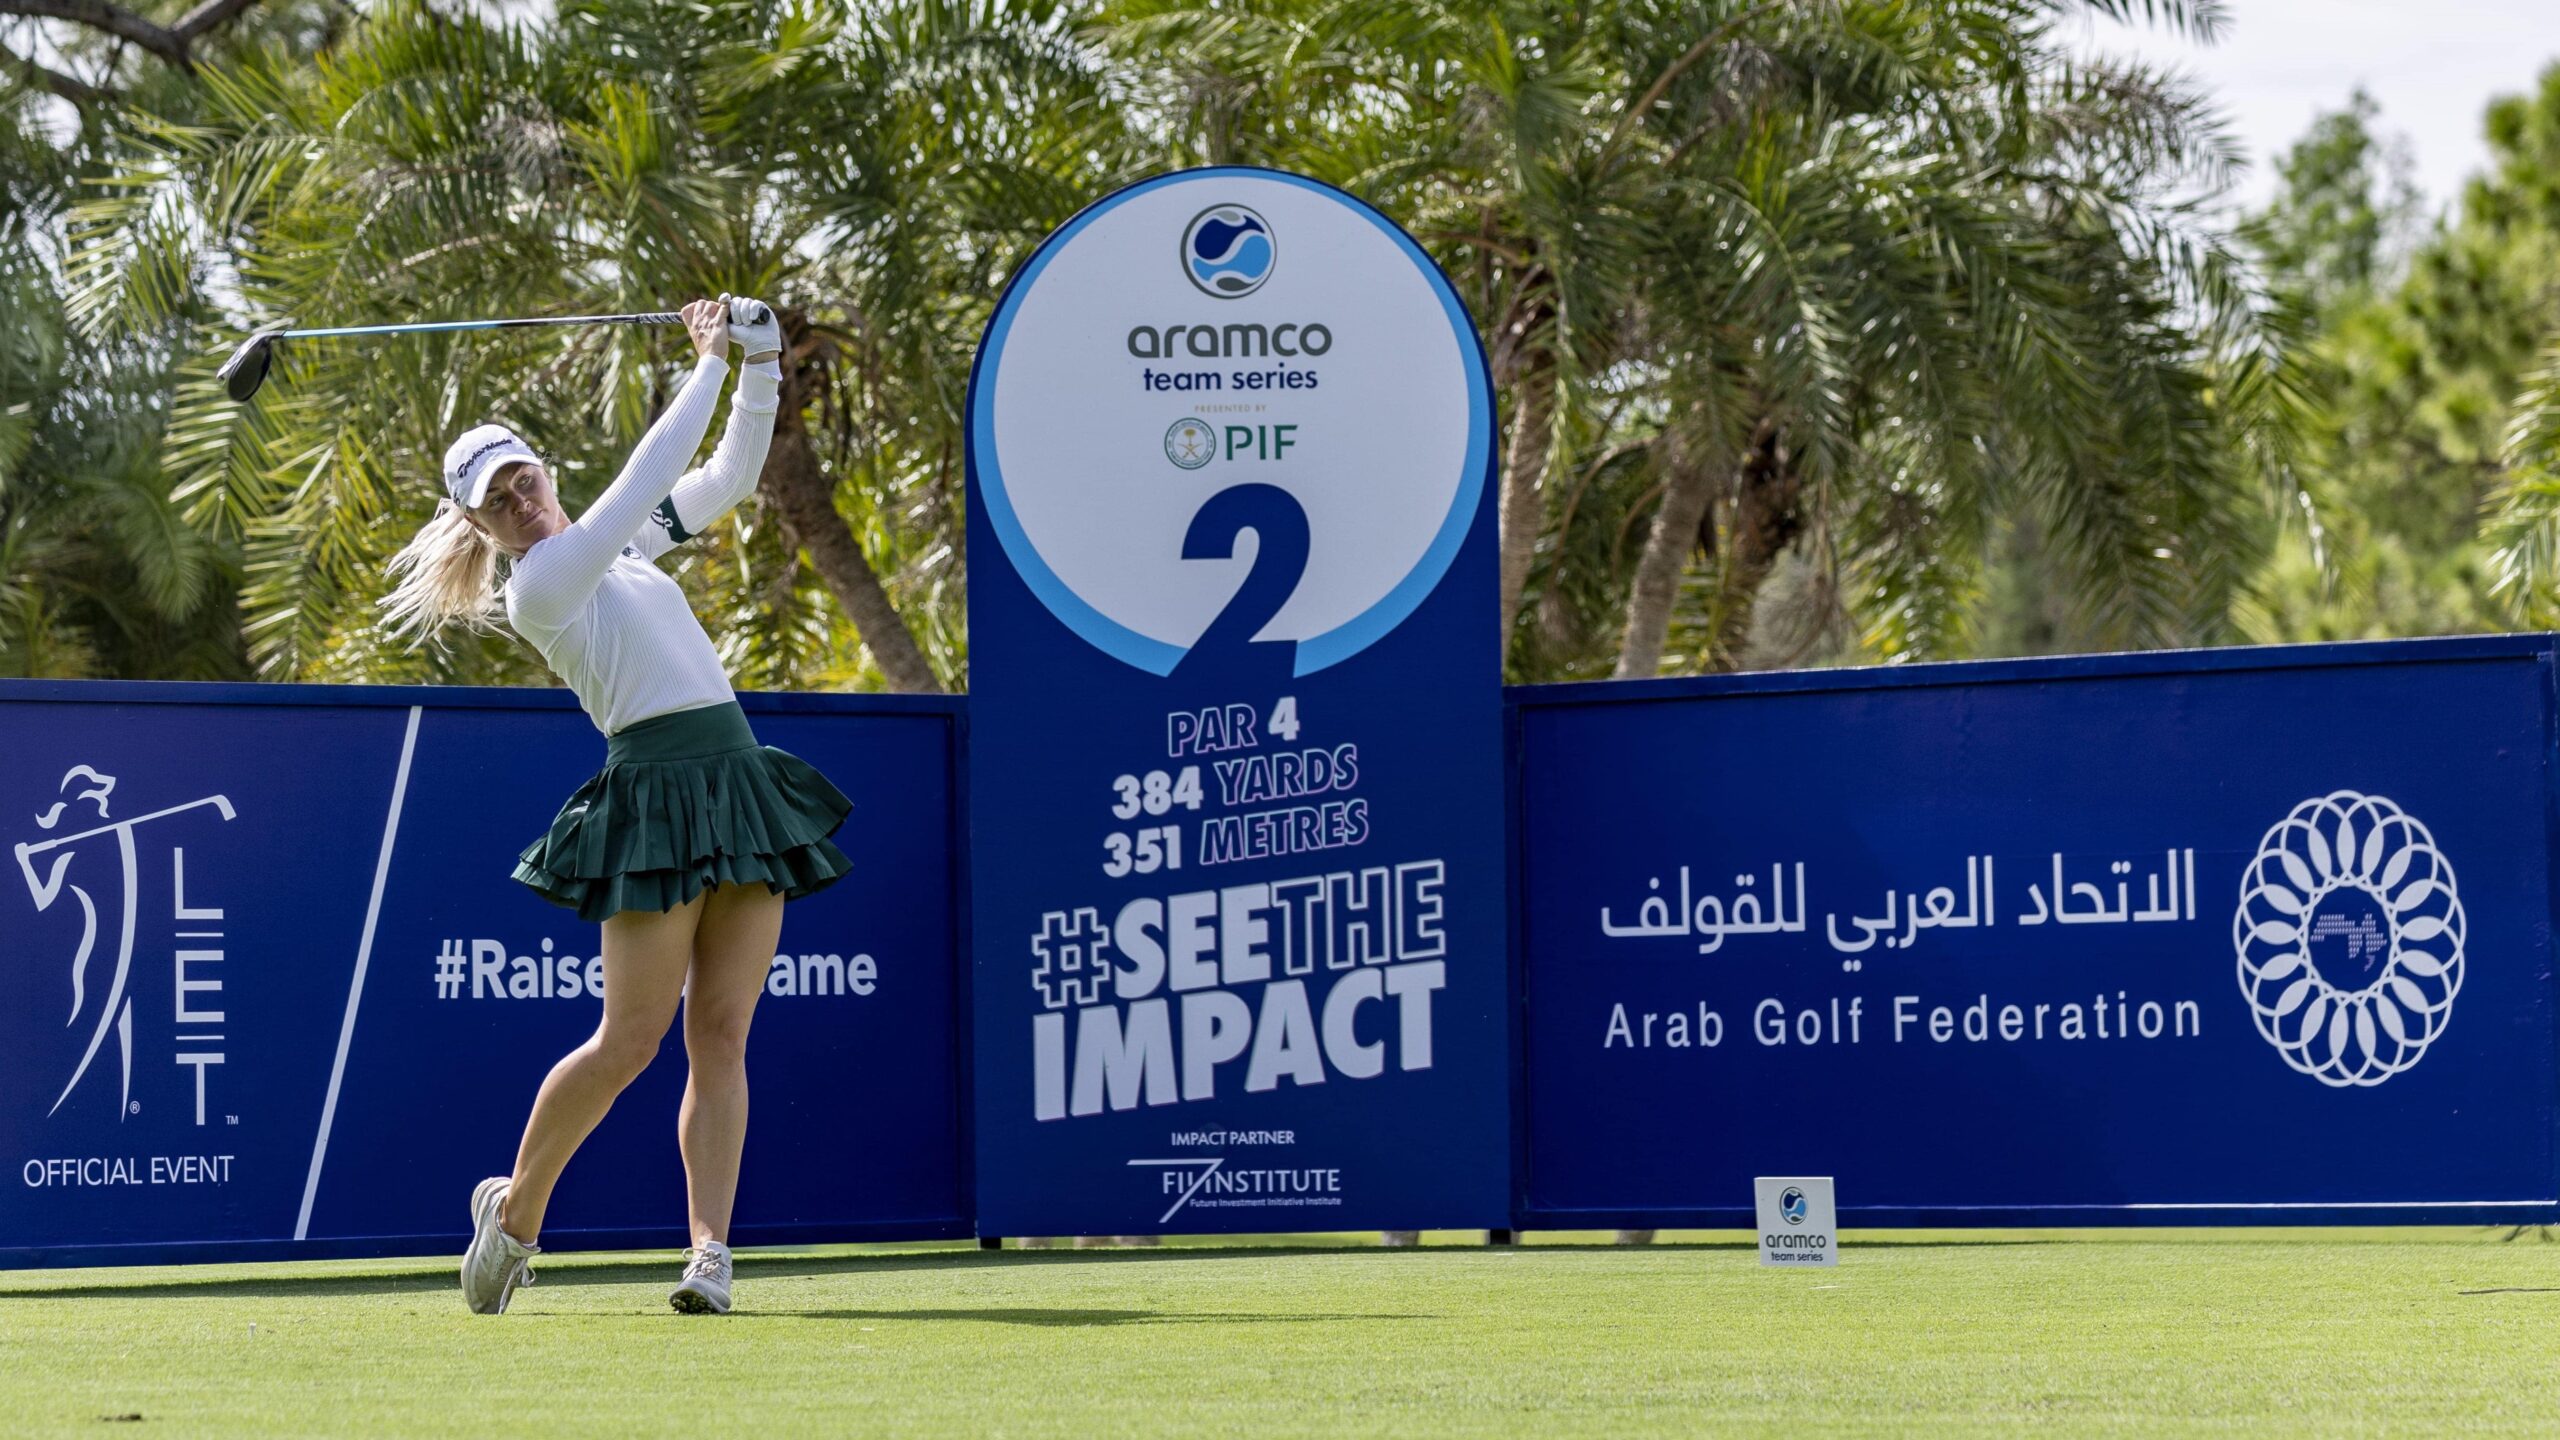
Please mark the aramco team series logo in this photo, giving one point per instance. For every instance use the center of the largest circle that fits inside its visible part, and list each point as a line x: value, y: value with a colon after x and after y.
x: 109, y: 858
x: 2350, y: 937
x: 1792, y: 1205
x: 1228, y: 251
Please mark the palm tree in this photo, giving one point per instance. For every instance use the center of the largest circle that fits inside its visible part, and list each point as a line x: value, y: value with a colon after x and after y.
x: 2526, y: 517
x: 1804, y: 316
x: 1837, y: 285
x: 98, y: 573
x: 1473, y: 123
x: 1956, y: 298
x: 606, y: 159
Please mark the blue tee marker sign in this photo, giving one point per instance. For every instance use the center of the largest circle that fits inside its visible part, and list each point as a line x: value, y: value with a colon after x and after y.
x: 1236, y: 811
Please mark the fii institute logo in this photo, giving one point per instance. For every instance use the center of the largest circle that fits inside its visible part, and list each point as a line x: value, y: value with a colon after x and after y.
x: 1228, y: 251
x: 2350, y: 935
x: 1792, y: 1205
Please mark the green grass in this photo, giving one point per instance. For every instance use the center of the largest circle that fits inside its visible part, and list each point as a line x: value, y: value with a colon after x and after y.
x: 2208, y: 1332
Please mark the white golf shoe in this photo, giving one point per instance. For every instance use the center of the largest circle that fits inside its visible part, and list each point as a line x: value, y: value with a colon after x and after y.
x: 497, y: 1262
x: 704, y: 1290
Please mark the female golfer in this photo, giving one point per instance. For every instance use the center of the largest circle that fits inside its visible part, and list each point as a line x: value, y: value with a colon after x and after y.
x: 688, y: 842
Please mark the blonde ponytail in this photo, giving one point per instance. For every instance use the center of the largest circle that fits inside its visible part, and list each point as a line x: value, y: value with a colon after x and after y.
x: 446, y: 575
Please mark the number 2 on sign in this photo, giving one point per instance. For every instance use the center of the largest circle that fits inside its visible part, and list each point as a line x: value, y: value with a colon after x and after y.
x: 1159, y: 848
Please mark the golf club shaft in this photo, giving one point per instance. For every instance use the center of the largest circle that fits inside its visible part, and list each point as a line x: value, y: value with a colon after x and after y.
x: 649, y: 317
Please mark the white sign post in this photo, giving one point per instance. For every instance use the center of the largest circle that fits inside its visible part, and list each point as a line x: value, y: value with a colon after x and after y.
x: 1797, y: 1223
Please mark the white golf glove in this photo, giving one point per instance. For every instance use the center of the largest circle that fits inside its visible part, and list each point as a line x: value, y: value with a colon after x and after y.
x: 755, y: 327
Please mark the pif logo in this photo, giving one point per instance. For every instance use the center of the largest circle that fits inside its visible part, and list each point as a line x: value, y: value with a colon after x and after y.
x: 1228, y: 251
x: 108, y: 857
x: 1190, y: 444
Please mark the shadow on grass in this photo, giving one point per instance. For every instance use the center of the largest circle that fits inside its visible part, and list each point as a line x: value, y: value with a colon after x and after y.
x: 554, y: 1271
x: 567, y: 1269
x: 1074, y: 1318
x: 1858, y: 1242
x: 1988, y: 1242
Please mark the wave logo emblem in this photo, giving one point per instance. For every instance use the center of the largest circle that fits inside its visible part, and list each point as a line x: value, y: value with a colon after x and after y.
x: 1228, y: 251
x: 1791, y: 1205
x: 2349, y: 933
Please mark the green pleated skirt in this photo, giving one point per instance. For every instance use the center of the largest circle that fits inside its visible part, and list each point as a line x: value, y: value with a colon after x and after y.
x: 684, y: 802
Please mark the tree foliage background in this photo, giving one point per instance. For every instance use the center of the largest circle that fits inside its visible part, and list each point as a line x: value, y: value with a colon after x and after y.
x: 1825, y: 331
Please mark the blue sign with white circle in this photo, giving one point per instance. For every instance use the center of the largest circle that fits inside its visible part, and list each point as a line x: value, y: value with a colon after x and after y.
x: 1235, y: 738
x: 1351, y: 385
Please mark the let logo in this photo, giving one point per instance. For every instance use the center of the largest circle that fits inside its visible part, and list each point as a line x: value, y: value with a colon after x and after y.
x: 108, y: 857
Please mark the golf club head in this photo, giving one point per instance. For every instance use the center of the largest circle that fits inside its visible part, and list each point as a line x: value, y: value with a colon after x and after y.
x: 246, y: 370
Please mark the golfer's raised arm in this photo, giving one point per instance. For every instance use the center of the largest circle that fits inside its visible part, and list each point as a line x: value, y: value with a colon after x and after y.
x: 729, y: 476
x: 558, y: 576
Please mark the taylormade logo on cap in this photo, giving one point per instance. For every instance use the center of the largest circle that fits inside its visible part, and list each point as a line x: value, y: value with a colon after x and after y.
x: 471, y: 460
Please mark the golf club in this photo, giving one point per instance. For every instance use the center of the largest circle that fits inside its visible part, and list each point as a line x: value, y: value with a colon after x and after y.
x: 246, y: 370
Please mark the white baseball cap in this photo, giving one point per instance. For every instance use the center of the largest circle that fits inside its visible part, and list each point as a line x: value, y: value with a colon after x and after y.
x: 471, y: 460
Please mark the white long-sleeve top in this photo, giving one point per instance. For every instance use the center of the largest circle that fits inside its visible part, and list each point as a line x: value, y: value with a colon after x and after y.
x: 592, y: 600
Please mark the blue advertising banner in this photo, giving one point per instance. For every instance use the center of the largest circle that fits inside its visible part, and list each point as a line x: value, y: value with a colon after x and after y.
x: 2200, y: 938
x: 1236, y: 826
x: 277, y: 994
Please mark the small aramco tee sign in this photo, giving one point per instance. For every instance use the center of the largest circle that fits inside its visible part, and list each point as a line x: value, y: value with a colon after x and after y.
x: 1798, y: 1225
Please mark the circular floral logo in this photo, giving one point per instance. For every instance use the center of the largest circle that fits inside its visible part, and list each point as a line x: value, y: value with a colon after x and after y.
x: 2350, y: 936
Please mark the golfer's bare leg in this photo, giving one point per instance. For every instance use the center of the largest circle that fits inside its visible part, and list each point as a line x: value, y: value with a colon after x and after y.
x: 645, y: 957
x: 734, y: 944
